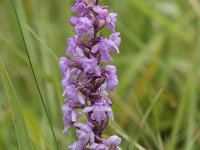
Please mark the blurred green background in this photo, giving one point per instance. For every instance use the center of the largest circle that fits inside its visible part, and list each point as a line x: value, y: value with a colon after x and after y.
x: 156, y: 104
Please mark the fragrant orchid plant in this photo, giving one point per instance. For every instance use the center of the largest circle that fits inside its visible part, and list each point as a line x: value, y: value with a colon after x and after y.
x: 86, y: 80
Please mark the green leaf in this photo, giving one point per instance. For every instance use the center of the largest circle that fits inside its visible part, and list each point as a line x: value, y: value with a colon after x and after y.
x: 123, y: 134
x: 155, y: 100
x: 18, y: 118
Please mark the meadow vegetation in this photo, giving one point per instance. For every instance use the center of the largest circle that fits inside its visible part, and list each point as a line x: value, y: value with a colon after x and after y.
x: 156, y: 104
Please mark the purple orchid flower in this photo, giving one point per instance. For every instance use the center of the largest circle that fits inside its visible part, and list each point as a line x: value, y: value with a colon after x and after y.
x: 86, y: 80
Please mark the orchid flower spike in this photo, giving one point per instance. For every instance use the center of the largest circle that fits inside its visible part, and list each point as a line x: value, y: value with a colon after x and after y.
x: 87, y: 81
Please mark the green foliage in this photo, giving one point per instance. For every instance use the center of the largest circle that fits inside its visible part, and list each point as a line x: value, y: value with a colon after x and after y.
x: 156, y: 103
x: 18, y: 119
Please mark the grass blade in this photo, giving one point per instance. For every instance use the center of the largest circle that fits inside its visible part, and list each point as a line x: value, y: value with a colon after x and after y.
x: 29, y: 29
x: 151, y: 107
x: 34, y: 75
x: 122, y: 133
x: 18, y: 118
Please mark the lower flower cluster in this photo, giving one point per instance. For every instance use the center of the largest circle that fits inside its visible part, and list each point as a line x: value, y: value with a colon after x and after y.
x: 85, y: 87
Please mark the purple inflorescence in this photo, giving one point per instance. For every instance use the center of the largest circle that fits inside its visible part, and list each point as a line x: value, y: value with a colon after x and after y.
x: 86, y: 80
